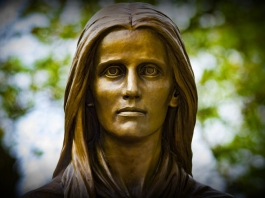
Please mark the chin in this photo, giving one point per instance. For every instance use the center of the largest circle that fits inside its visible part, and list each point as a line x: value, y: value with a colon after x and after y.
x: 131, y: 135
x: 130, y: 132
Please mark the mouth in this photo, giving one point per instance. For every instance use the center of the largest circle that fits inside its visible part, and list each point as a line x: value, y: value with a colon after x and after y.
x: 131, y: 112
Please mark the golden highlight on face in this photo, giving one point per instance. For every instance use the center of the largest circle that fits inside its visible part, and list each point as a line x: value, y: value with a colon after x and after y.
x: 133, y: 84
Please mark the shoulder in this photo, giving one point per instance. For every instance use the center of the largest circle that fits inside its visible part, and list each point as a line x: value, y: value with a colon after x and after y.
x: 53, y: 189
x: 196, y: 189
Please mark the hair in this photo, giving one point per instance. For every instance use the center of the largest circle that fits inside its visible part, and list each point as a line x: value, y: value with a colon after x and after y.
x: 81, y: 124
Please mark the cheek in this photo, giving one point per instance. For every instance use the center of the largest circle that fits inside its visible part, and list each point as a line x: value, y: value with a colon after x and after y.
x: 102, y: 107
x: 105, y: 100
x: 102, y: 93
x: 160, y: 94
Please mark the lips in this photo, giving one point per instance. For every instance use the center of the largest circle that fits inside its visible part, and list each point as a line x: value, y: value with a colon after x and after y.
x: 131, y: 112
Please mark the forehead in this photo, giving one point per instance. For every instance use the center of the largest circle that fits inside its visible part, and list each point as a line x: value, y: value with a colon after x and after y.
x: 136, y: 37
x: 140, y: 43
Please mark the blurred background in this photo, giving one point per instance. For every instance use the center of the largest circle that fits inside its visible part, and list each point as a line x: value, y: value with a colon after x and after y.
x: 225, y: 42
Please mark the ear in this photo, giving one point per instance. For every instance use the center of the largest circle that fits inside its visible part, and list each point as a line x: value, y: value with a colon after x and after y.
x: 174, y: 99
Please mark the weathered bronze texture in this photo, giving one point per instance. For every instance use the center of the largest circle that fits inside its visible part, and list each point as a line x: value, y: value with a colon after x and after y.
x: 130, y: 110
x: 132, y: 89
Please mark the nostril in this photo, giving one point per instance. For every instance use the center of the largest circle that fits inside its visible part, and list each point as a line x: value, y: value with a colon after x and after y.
x: 126, y: 97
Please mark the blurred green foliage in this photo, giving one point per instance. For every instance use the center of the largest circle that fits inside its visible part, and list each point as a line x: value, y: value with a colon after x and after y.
x: 228, y: 34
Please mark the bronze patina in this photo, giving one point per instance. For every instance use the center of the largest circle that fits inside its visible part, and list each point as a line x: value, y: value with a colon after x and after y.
x: 130, y: 111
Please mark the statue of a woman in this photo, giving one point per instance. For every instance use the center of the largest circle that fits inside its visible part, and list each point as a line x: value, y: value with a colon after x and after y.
x: 130, y: 111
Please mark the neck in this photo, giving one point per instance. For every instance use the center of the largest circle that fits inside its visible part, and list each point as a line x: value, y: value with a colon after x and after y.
x: 132, y: 163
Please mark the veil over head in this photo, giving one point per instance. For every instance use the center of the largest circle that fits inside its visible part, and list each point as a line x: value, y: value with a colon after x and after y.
x: 81, y: 124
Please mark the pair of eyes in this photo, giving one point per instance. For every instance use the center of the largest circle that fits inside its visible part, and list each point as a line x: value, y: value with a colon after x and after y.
x: 115, y: 71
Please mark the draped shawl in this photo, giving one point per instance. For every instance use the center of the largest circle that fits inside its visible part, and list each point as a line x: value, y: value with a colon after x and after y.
x: 82, y: 176
x: 81, y: 125
x: 169, y: 181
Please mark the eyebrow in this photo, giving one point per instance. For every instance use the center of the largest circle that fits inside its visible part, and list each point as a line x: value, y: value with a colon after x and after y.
x: 122, y: 61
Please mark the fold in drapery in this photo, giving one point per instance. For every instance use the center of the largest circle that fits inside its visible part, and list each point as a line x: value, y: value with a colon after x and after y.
x: 77, y: 178
x: 170, y: 181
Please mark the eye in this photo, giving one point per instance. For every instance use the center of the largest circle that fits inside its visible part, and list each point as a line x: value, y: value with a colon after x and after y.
x: 149, y: 71
x: 113, y: 71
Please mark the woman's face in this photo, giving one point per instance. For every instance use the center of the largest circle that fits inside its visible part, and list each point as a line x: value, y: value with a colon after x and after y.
x: 132, y: 84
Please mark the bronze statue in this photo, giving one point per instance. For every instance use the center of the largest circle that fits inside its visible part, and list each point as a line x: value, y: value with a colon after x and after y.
x: 130, y: 111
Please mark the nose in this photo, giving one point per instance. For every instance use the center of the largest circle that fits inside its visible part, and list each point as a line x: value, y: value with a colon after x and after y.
x: 131, y: 90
